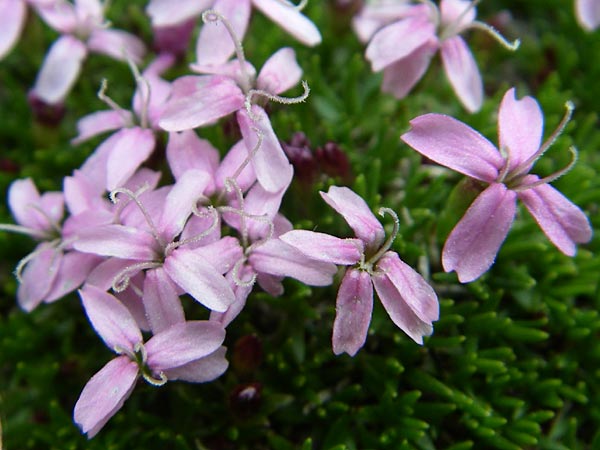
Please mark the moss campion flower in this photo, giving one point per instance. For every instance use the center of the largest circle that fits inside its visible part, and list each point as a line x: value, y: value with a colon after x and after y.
x: 473, y: 244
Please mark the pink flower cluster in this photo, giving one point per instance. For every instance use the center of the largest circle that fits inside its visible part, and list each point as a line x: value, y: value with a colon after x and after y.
x: 138, y: 248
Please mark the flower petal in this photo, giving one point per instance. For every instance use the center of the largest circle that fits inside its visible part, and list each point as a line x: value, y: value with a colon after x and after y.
x: 215, y: 45
x: 202, y: 370
x: 186, y: 151
x: 463, y: 73
x: 291, y: 20
x: 183, y: 343
x: 520, y: 127
x: 280, y: 72
x: 400, y: 77
x: 73, y: 271
x: 353, y: 310
x: 117, y: 44
x: 399, y: 40
x: 588, y: 13
x: 100, y: 122
x: 59, y: 70
x: 12, y: 19
x: 105, y: 394
x: 111, y: 319
x: 453, y: 144
x: 202, y: 281
x: 472, y: 246
x: 168, y: 12
x: 161, y: 302
x: 559, y: 218
x: 117, y: 240
x: 200, y: 100
x: 412, y: 287
x: 324, y: 247
x: 451, y: 11
x: 132, y: 146
x: 356, y: 213
x: 273, y: 170
x: 38, y: 276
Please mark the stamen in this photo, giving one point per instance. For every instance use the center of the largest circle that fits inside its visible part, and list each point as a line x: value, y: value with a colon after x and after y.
x: 123, y: 351
x: 211, y: 15
x: 155, y: 381
x: 121, y: 280
x: 554, y: 176
x: 512, y: 46
x: 141, y: 84
x: 111, y: 103
x: 24, y: 261
x: 299, y: 7
x: 235, y: 273
x: 173, y: 245
x: 251, y: 154
x: 390, y: 240
x: 141, y: 350
x: 134, y: 196
x: 38, y: 234
x: 121, y: 205
x: 274, y: 98
x: 524, y: 167
x: 262, y: 218
x: 506, y: 155
x: 231, y: 185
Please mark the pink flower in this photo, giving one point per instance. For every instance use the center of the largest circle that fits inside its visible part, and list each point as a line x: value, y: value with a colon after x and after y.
x: 404, y: 49
x: 588, y: 13
x: 83, y: 28
x: 473, y: 244
x: 408, y: 299
x: 189, y: 351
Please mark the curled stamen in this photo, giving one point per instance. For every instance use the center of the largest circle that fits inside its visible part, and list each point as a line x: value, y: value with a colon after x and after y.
x: 155, y: 381
x: 25, y: 260
x: 213, y: 226
x: 299, y: 7
x: 123, y: 351
x: 525, y: 166
x: 235, y: 273
x: 121, y: 205
x: 211, y: 15
x: 111, y: 103
x: 231, y: 185
x: 142, y: 84
x: 135, y: 197
x: 554, y: 176
x: 121, y: 280
x: 512, y: 46
x: 263, y: 218
x: 390, y: 240
x: 274, y: 98
x: 38, y: 234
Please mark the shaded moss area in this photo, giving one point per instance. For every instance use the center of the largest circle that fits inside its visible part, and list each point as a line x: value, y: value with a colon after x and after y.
x: 515, y: 358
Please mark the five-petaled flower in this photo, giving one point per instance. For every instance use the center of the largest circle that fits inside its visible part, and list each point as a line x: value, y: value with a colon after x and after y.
x: 473, y: 244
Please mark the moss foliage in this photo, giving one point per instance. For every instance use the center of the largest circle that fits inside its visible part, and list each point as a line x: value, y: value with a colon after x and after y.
x: 515, y: 358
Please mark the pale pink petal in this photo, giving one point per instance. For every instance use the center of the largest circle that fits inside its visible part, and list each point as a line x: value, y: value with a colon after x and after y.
x: 131, y: 148
x: 453, y: 144
x: 24, y: 200
x: 520, y: 127
x: 111, y: 319
x: 151, y: 96
x: 73, y: 271
x: 103, y: 275
x: 241, y: 295
x: 457, y: 14
x: 291, y: 20
x: 357, y: 214
x: 101, y: 122
x: 353, y: 309
x: 53, y: 205
x: 90, y: 9
x: 472, y: 246
x: 38, y: 276
x: 559, y: 218
x: 462, y: 72
x: 183, y: 343
x: 398, y: 40
x: 275, y: 257
x: 280, y: 72
x: 200, y: 100
x: 185, y: 150
x: 59, y: 70
x: 12, y: 19
x: 117, y: 240
x: 259, y: 203
x: 222, y: 254
x: 117, y: 44
x: 374, y: 16
x: 161, y: 302
x: 588, y: 13
x: 400, y: 313
x: 197, y: 229
x: 105, y: 394
x: 215, y: 45
x: 180, y: 202
x: 202, y: 370
x: 412, y: 287
x: 400, y: 77
x: 271, y: 284
x: 273, y: 170
x: 325, y: 247
x: 173, y: 12
x: 60, y: 15
x: 232, y: 161
x: 202, y: 281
